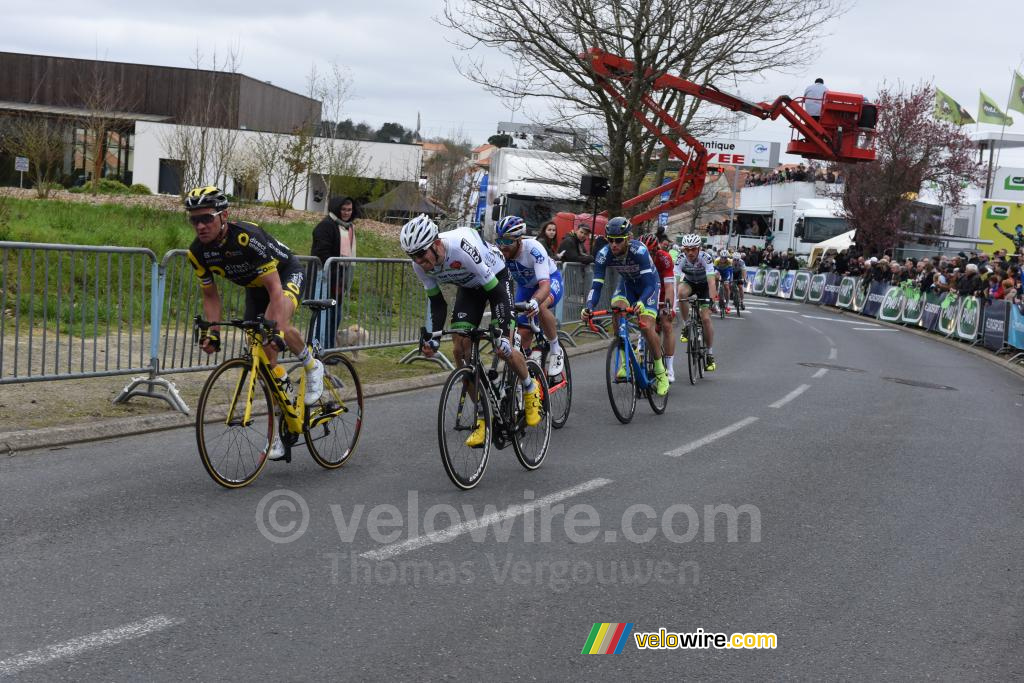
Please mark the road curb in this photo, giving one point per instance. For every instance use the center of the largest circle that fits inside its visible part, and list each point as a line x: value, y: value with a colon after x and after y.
x: 14, y: 442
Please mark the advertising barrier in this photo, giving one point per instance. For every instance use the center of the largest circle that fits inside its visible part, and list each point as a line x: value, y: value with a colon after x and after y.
x: 759, y: 278
x: 786, y: 288
x: 1015, y: 327
x: 891, y: 309
x: 846, y: 287
x: 948, y: 311
x: 914, y: 306
x: 816, y: 289
x: 860, y: 295
x: 874, y: 299
x: 831, y: 293
x: 968, y: 319
x: 772, y: 282
x: 993, y: 336
x: 930, y: 312
x: 801, y: 283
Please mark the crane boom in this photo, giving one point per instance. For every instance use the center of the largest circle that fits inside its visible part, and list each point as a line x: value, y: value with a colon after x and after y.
x: 844, y: 132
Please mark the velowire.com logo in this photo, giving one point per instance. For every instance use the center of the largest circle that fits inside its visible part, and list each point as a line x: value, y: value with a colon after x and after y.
x: 607, y: 639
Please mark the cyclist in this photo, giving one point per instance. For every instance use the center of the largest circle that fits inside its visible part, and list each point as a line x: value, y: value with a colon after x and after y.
x: 538, y: 283
x: 666, y: 299
x: 739, y: 276
x: 460, y: 257
x: 272, y: 276
x: 638, y: 283
x: 723, y: 265
x: 696, y: 274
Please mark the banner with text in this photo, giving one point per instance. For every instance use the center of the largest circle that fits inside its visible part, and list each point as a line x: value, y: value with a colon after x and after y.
x: 993, y: 336
x: 876, y: 292
x: 771, y: 282
x: 786, y: 288
x: 800, y: 284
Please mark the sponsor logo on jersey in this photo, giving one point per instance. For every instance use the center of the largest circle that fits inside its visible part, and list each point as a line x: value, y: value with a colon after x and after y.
x: 455, y: 265
x: 470, y: 250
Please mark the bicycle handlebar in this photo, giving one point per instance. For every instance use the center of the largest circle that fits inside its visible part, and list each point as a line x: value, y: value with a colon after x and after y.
x: 523, y: 308
x: 260, y: 324
x: 630, y: 310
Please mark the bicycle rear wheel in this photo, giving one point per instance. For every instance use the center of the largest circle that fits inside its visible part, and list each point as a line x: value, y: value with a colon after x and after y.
x: 702, y: 351
x: 736, y: 299
x: 721, y: 300
x: 233, y: 449
x: 457, y: 416
x: 337, y: 417
x: 658, y: 403
x: 621, y: 390
x: 531, y: 443
x: 560, y: 394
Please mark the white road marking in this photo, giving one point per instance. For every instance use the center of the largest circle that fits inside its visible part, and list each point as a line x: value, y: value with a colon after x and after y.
x: 874, y: 329
x: 748, y: 302
x: 816, y: 330
x: 694, y: 445
x: 445, y: 535
x: 837, y: 320
x: 829, y: 340
x: 790, y: 396
x: 94, y: 641
x: 832, y: 353
x: 820, y: 373
x: 775, y: 310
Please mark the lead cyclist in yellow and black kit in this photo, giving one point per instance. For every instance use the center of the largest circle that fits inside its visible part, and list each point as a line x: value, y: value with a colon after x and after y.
x: 272, y: 276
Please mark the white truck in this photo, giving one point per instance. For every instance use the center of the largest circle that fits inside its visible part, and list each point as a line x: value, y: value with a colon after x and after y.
x: 533, y: 184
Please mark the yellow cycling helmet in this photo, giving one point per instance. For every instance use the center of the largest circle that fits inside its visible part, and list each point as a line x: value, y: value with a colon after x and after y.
x: 208, y: 197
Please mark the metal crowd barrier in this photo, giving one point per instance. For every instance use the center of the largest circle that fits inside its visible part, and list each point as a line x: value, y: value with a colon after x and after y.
x: 75, y: 311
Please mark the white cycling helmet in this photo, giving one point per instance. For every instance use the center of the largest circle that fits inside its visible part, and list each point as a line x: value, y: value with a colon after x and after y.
x: 690, y: 239
x: 724, y: 254
x: 418, y: 234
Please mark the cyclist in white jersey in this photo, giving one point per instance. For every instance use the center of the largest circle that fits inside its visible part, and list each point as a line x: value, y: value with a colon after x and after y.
x: 460, y: 257
x: 696, y: 274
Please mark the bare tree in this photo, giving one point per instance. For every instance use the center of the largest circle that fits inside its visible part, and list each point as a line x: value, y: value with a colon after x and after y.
x: 41, y: 140
x: 334, y: 157
x: 450, y: 174
x: 104, y: 100
x: 284, y: 161
x: 706, y: 41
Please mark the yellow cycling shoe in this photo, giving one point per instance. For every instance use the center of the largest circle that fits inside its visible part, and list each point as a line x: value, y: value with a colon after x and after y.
x: 710, y: 367
x: 621, y: 372
x: 531, y: 399
x: 661, y: 384
x: 682, y: 338
x: 476, y: 439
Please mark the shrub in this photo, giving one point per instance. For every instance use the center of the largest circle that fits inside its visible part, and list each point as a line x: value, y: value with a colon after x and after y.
x: 280, y: 205
x: 111, y: 186
x: 139, y: 188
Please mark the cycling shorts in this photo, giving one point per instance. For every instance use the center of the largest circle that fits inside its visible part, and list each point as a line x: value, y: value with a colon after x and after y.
x: 630, y: 293
x: 700, y: 290
x: 471, y: 302
x: 292, y: 276
x: 724, y: 273
x: 526, y: 293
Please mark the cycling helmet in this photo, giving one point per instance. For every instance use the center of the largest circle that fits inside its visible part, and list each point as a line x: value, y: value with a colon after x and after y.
x: 418, y: 234
x: 650, y: 240
x: 618, y: 227
x: 690, y: 239
x: 511, y: 227
x: 724, y: 254
x: 208, y: 197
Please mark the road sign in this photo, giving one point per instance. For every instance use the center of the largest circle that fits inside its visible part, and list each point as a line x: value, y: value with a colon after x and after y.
x: 663, y: 219
x: 21, y: 164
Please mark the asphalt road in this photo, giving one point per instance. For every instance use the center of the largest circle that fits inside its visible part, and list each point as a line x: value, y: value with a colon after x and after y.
x: 876, y: 531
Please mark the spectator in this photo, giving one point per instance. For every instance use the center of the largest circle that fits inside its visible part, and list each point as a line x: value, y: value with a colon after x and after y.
x: 813, y: 97
x: 335, y: 235
x: 548, y: 238
x: 995, y: 288
x: 971, y: 283
x: 574, y: 246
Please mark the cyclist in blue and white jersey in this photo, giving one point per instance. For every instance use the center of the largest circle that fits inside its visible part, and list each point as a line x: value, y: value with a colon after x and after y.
x: 538, y: 283
x: 696, y: 274
x: 723, y: 264
x: 460, y: 257
x: 638, y: 286
x: 739, y: 275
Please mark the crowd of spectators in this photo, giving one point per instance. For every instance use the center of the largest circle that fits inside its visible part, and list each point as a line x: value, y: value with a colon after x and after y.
x: 797, y: 174
x: 991, y: 277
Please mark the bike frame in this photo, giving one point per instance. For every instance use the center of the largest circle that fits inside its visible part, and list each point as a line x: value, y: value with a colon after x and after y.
x: 625, y: 327
x: 260, y: 363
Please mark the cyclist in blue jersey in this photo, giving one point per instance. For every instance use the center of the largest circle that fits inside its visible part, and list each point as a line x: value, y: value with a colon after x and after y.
x: 695, y: 272
x: 723, y: 266
x: 638, y: 286
x: 538, y: 284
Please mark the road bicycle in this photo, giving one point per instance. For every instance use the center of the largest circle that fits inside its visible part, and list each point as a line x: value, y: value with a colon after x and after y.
x: 493, y: 394
x: 696, y: 350
x: 722, y: 298
x: 629, y: 368
x: 559, y: 388
x: 235, y: 416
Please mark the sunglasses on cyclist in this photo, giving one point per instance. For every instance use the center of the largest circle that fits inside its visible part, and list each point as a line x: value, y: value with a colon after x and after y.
x: 204, y: 219
x: 617, y: 240
x: 417, y: 255
x: 506, y: 241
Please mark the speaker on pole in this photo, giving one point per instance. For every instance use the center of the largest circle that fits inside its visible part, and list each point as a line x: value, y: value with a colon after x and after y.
x: 593, y: 186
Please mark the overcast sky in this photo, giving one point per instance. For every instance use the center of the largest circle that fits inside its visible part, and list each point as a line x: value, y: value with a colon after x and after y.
x: 401, y: 61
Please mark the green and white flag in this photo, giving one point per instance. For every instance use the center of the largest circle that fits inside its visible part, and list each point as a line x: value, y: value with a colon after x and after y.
x: 1017, y: 93
x: 948, y: 109
x: 989, y: 111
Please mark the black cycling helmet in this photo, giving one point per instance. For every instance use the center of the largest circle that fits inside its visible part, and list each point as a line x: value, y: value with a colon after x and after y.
x: 618, y: 227
x: 208, y: 197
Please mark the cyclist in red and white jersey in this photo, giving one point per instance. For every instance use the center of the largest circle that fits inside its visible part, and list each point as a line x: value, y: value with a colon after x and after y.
x: 666, y: 299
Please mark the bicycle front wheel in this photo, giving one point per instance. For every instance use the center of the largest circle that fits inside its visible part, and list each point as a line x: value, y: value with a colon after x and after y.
x: 531, y: 443
x: 620, y: 381
x: 736, y: 299
x: 336, y: 419
x: 560, y: 394
x: 692, y: 352
x: 702, y: 350
x: 234, y: 448
x: 463, y: 405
